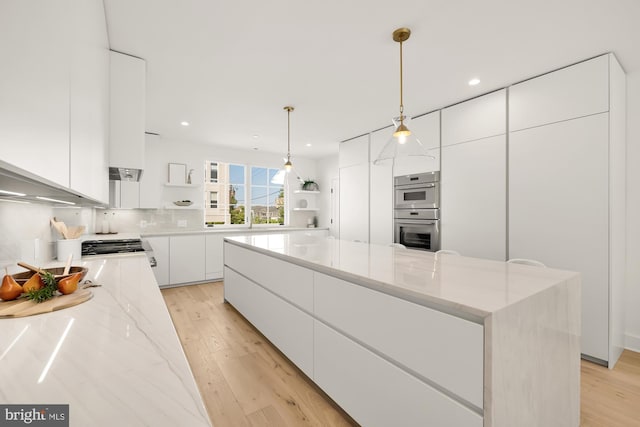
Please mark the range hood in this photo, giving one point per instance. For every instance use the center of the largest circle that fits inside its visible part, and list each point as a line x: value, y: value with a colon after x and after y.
x: 124, y: 174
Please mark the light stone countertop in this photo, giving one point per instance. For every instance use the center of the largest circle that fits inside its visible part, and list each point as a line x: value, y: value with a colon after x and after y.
x: 115, y: 359
x: 223, y: 230
x: 472, y: 288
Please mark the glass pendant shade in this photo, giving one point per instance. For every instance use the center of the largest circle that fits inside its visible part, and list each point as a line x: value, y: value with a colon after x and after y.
x: 403, y: 143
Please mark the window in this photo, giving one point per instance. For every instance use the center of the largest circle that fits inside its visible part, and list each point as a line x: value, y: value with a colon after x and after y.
x: 227, y: 189
x: 213, y: 172
x: 267, y: 196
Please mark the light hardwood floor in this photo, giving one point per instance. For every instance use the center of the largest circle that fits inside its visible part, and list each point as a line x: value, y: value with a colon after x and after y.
x: 245, y: 381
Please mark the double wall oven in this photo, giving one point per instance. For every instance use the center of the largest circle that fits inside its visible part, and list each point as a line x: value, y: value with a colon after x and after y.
x: 417, y: 211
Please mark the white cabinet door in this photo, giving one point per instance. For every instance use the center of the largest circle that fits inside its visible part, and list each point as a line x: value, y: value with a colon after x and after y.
x: 124, y: 194
x: 473, y: 197
x: 160, y: 246
x: 89, y: 101
x: 558, y: 210
x: 187, y: 259
x: 354, y: 202
x: 375, y: 392
x: 381, y: 194
x: 575, y: 91
x: 128, y: 88
x: 288, y: 328
x: 34, y: 87
x: 215, y: 260
x: 154, y: 175
x: 449, y: 352
x: 477, y: 118
x: 354, y: 152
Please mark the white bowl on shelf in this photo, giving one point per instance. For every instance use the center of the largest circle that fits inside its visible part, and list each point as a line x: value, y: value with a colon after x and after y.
x: 183, y: 203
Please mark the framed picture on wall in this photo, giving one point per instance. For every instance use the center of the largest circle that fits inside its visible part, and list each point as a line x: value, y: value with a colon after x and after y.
x: 177, y: 173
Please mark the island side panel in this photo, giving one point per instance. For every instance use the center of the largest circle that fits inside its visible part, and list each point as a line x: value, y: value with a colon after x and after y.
x: 532, y: 371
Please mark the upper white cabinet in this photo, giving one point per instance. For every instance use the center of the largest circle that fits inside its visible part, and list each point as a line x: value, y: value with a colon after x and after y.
x: 477, y: 118
x: 354, y: 152
x: 575, y: 91
x: 34, y: 87
x: 427, y: 129
x: 381, y: 198
x: 128, y: 88
x: 567, y: 187
x: 474, y: 177
x: 89, y: 101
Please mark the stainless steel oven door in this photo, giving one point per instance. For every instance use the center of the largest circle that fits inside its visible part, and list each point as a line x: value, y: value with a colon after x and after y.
x: 418, y: 234
x: 417, y: 196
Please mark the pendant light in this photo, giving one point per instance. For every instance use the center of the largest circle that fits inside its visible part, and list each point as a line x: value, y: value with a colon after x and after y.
x: 403, y: 142
x: 288, y: 165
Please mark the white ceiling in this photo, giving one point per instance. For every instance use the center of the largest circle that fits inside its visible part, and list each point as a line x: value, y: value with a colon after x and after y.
x: 229, y: 67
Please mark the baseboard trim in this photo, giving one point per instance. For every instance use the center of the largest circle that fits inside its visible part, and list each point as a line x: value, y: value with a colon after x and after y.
x: 632, y: 342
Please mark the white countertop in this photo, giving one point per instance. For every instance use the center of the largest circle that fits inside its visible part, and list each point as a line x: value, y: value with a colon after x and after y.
x: 115, y: 359
x: 244, y: 230
x: 465, y: 286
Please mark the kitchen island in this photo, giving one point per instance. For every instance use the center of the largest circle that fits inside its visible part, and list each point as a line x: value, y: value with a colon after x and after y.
x: 116, y: 359
x: 405, y: 337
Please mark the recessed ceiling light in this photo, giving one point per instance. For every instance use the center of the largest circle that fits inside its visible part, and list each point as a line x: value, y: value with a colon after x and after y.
x: 474, y: 82
x: 308, y: 144
x: 256, y: 136
x: 184, y: 123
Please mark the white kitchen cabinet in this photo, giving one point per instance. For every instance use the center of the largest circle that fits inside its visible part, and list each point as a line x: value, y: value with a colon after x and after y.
x: 127, y: 113
x: 377, y: 393
x: 89, y: 101
x: 566, y: 192
x: 473, y: 198
x: 575, y: 91
x: 160, y: 246
x: 381, y: 194
x: 287, y: 327
x: 448, y: 353
x: 154, y: 175
x: 477, y: 118
x: 35, y: 40
x: 354, y: 202
x: 187, y: 259
x: 354, y: 152
x: 214, y: 264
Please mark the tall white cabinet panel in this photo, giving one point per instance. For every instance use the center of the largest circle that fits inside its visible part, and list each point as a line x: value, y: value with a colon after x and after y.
x: 473, y: 198
x: 558, y: 210
x: 187, y: 259
x: 354, y: 189
x: 581, y: 181
x: 160, y: 246
x: 474, y: 177
x: 477, y: 118
x: 34, y: 87
x: 89, y: 101
x: 381, y: 194
x: 427, y: 130
x: 574, y: 91
x: 128, y: 103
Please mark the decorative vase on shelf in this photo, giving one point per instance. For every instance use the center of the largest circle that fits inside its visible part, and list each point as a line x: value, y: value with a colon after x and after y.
x: 310, y: 185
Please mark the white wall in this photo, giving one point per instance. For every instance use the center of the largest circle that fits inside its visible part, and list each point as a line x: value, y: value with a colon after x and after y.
x: 328, y: 170
x: 633, y: 213
x: 159, y: 152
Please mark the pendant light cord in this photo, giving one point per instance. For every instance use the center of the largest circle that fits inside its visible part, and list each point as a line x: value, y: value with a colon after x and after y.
x: 401, y: 88
x: 288, y: 134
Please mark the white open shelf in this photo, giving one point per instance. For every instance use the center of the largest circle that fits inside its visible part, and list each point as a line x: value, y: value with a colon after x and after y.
x: 305, y: 192
x: 182, y: 185
x: 306, y: 209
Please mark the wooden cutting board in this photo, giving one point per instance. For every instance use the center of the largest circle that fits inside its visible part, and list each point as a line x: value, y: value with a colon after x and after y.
x: 23, y: 307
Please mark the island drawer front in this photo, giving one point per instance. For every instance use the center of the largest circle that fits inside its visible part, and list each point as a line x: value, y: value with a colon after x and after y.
x: 291, y: 282
x: 377, y: 393
x: 288, y: 328
x: 444, y: 349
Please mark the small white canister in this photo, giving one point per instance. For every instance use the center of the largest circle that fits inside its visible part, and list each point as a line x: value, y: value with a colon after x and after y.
x: 69, y: 246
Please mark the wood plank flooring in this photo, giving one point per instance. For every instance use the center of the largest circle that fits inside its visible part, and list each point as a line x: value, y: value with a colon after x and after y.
x: 245, y: 381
